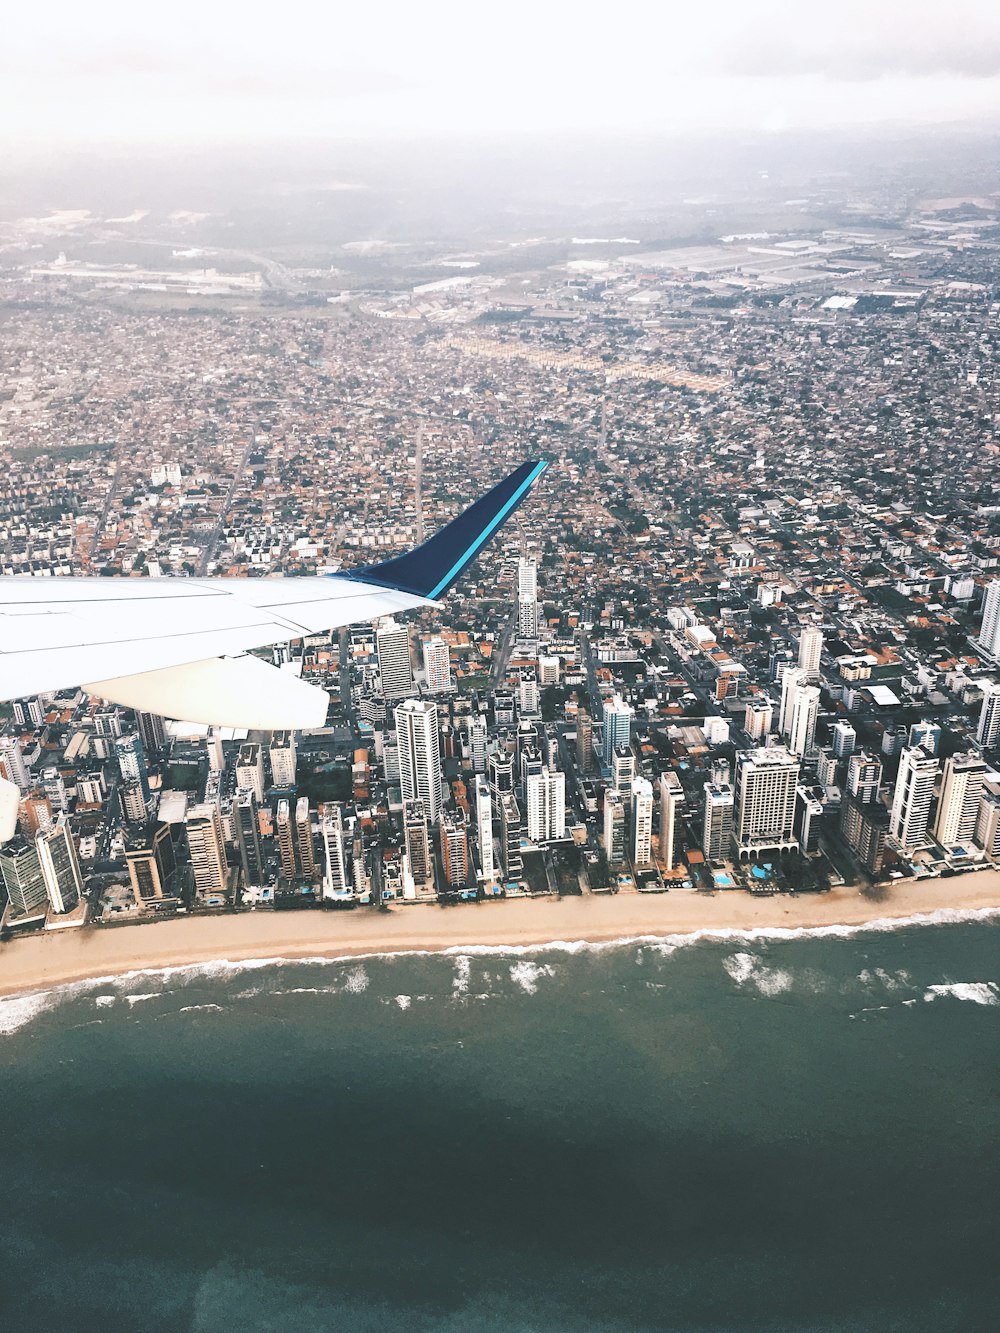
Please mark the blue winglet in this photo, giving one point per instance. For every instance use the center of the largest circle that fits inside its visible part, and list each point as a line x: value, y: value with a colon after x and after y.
x: 430, y: 569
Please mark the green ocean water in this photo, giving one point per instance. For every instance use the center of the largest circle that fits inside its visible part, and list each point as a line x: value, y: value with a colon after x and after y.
x: 725, y: 1134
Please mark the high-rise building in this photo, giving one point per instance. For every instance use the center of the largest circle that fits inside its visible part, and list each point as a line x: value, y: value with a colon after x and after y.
x: 641, y: 822
x: 246, y: 827
x: 510, y: 836
x: 614, y: 827
x: 331, y: 832
x: 799, y: 710
x: 810, y: 651
x: 988, y: 731
x: 826, y: 766
x: 477, y: 740
x: 504, y: 711
x: 133, y: 803
x: 531, y: 763
x: 671, y: 799
x: 151, y: 862
x: 282, y: 754
x: 437, y: 666
x: 864, y: 825
x: 808, y: 818
x: 717, y: 829
x: 911, y: 798
x: 765, y: 800
x: 484, y: 828
x: 864, y: 777
x: 132, y: 763
x: 54, y: 786
x: 418, y: 845
x: 527, y: 695
x: 548, y: 669
x: 617, y: 725
x: 757, y: 721
x: 21, y: 875
x: 584, y: 741
x: 989, y: 634
x: 622, y: 769
x: 546, y: 801
x: 304, y: 839
x: 987, y: 833
x: 250, y: 770
x: 285, y: 835
x: 392, y: 642
x: 12, y: 765
x: 527, y: 597
x: 961, y: 790
x: 843, y: 739
x: 213, y: 748
x: 207, y: 847
x: 108, y: 722
x: 151, y: 730
x: 455, y: 850
x: 36, y: 814
x: 420, y: 754
x: 501, y: 770
x: 60, y: 865
x: 927, y: 735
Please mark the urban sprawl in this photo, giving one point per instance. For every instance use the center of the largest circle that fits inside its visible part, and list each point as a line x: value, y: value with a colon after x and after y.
x: 744, y: 636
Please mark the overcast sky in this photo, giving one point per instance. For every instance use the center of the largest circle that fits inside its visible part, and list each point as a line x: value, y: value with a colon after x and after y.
x: 194, y: 70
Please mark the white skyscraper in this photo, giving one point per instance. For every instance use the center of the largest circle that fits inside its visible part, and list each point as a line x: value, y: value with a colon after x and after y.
x: 331, y: 832
x: 250, y: 770
x: 799, y: 709
x: 527, y: 695
x: 765, y: 800
x: 641, y: 842
x: 527, y: 597
x: 671, y: 799
x: 988, y: 731
x: 484, y: 828
x: 810, y: 650
x: 282, y: 755
x: 392, y: 644
x: 546, y: 800
x: 437, y: 666
x: 614, y: 827
x: 844, y: 739
x: 961, y: 790
x: 12, y: 765
x: 475, y: 726
x: 989, y: 634
x: 617, y: 725
x: 420, y: 754
x: 912, y: 796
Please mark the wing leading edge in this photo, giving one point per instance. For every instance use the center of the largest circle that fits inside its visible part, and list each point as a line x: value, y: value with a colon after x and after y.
x: 175, y: 646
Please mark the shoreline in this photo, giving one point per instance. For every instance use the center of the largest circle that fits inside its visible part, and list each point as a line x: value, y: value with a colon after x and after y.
x: 39, y: 963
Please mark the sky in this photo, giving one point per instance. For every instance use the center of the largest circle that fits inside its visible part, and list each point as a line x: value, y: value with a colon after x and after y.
x: 192, y: 71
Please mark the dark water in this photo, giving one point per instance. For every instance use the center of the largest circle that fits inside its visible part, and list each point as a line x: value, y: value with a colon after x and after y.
x: 793, y: 1135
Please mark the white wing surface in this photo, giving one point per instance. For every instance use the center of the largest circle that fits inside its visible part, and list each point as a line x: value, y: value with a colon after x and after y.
x: 177, y: 646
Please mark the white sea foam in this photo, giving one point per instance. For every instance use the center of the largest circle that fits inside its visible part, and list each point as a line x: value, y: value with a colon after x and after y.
x: 104, y: 1001
x: 463, y: 974
x: 195, y: 1008
x: 141, y: 999
x: 18, y: 1010
x: 527, y: 975
x: 404, y: 1001
x: 747, y: 968
x: 975, y: 992
x: 38, y: 1001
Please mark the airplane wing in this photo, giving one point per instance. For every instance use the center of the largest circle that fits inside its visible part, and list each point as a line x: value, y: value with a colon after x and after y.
x: 177, y: 646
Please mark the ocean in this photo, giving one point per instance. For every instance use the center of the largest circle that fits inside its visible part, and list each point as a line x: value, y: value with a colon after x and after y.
x: 719, y: 1133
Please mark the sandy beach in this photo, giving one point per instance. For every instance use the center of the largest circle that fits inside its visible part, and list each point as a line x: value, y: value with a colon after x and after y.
x: 40, y: 962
